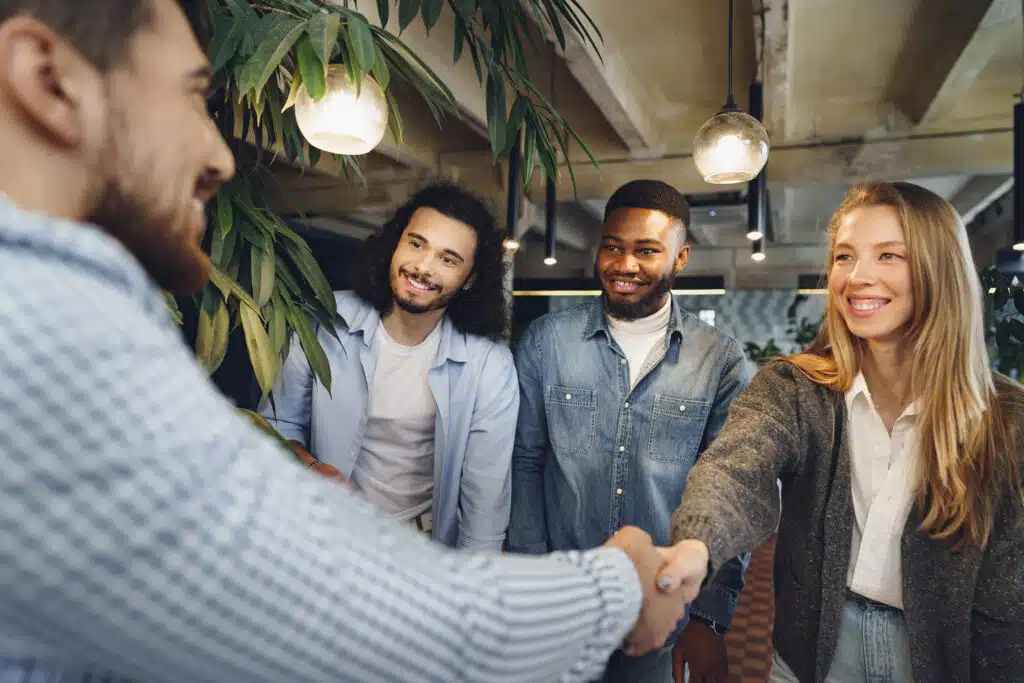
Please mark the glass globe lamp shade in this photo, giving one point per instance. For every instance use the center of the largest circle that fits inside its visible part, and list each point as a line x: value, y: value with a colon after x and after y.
x: 342, y: 122
x: 732, y: 147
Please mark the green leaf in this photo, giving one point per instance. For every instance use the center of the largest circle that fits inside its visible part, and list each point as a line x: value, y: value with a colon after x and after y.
x: 529, y: 152
x: 496, y: 112
x: 212, y: 331
x: 460, y: 39
x: 225, y: 215
x: 281, y: 37
x: 222, y: 246
x: 311, y: 68
x: 383, y: 9
x: 381, y: 73
x: 431, y: 12
x: 311, y: 346
x: 277, y: 325
x: 407, y: 11
x: 293, y: 93
x: 228, y: 286
x: 466, y: 8
x: 515, y: 122
x: 361, y: 38
x: 314, y: 276
x: 262, y: 273
x: 222, y: 49
x: 314, y: 156
x: 395, y: 124
x: 172, y: 307
x: 323, y: 32
x: 264, y: 362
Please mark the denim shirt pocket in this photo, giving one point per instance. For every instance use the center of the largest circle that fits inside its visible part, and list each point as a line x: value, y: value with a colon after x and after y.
x: 572, y: 418
x: 677, y: 426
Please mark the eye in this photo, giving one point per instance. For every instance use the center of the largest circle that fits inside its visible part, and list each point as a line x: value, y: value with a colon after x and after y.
x: 449, y: 261
x: 648, y: 252
x: 610, y: 247
x: 890, y: 256
x: 415, y: 243
x: 843, y: 257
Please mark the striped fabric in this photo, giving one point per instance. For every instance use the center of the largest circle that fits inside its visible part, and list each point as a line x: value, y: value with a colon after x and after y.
x: 148, y: 533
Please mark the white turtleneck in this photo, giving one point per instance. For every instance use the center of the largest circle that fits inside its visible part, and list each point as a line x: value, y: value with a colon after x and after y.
x: 636, y: 338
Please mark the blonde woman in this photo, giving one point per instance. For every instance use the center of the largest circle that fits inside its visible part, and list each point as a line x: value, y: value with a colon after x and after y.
x: 900, y: 551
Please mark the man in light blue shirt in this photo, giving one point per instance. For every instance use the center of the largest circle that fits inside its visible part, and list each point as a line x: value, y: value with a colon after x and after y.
x: 619, y: 397
x: 147, y: 531
x: 423, y: 413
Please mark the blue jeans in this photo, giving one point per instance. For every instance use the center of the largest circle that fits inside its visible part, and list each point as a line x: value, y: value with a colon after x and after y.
x: 873, y: 647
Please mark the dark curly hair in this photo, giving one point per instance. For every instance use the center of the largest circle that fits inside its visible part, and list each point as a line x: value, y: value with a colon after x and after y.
x: 654, y: 195
x: 483, y: 308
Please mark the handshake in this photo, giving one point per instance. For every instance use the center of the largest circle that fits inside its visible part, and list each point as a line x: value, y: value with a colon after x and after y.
x: 671, y: 579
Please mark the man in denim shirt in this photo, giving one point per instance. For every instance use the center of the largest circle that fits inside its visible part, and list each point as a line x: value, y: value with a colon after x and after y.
x: 618, y: 398
x: 423, y: 410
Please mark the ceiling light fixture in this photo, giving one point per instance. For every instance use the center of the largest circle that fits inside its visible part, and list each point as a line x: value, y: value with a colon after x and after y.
x: 342, y: 121
x: 732, y: 147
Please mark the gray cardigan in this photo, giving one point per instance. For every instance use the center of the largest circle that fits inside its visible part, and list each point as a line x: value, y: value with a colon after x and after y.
x: 964, y: 610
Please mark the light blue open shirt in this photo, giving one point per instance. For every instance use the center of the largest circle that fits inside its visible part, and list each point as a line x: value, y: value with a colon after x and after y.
x: 474, y: 383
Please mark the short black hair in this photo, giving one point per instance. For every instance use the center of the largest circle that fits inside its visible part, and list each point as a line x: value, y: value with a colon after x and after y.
x: 102, y: 30
x: 650, y: 194
x: 482, y: 309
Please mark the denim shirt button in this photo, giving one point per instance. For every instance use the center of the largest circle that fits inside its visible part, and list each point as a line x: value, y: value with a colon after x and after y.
x: 623, y: 361
x: 568, y: 397
x: 621, y: 449
x: 618, y: 492
x: 626, y: 404
x: 682, y: 409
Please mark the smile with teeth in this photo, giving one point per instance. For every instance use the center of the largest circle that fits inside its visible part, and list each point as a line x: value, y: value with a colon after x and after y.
x: 417, y: 284
x: 626, y: 285
x: 867, y: 305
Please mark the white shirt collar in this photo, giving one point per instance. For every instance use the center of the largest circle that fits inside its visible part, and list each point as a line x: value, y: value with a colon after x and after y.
x: 860, y: 386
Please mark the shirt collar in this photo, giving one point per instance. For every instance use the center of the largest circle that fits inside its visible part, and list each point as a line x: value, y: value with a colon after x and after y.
x: 860, y: 387
x: 365, y: 320
x: 597, y: 321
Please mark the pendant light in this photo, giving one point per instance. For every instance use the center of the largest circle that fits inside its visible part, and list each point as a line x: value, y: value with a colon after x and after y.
x: 732, y: 147
x: 343, y: 122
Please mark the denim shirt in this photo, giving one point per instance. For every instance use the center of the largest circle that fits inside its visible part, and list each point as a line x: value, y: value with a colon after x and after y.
x: 473, y: 382
x: 591, y: 455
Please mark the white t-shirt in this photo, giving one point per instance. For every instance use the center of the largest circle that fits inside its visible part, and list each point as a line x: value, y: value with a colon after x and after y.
x: 395, y: 468
x: 882, y: 478
x: 636, y: 338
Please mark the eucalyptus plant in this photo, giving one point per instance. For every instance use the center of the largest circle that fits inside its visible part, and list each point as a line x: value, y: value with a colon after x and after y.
x: 264, y: 277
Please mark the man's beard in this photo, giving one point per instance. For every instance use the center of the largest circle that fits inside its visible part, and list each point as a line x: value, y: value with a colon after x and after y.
x: 146, y: 220
x: 643, y: 307
x: 440, y: 302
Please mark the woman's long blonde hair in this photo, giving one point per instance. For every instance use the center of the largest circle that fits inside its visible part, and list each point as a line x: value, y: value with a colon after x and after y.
x: 966, y: 442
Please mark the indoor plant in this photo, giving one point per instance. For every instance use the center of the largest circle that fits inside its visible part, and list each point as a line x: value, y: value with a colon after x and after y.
x: 264, y: 277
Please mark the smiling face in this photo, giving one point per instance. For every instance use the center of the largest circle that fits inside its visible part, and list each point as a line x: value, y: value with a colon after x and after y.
x: 433, y: 261
x: 870, y: 281
x: 642, y: 251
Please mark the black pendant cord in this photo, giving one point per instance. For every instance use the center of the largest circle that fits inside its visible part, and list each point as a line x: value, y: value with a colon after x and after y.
x: 730, y: 102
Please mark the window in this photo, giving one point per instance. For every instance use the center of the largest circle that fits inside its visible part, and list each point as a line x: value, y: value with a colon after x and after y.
x: 707, y: 315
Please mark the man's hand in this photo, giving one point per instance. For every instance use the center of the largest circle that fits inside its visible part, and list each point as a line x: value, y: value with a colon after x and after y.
x: 704, y: 651
x: 323, y: 468
x: 685, y: 568
x: 661, y: 609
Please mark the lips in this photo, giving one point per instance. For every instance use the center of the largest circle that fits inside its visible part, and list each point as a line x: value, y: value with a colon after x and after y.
x: 866, y: 306
x: 416, y: 284
x: 625, y: 286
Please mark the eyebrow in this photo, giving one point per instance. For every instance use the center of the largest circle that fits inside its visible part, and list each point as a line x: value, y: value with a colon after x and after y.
x: 423, y: 239
x: 641, y: 242
x: 880, y: 245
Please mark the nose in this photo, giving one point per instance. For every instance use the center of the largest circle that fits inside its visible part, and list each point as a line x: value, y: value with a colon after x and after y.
x: 627, y: 264
x: 220, y: 165
x: 863, y: 272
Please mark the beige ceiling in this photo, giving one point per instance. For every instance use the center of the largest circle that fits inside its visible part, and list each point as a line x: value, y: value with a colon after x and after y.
x: 854, y: 90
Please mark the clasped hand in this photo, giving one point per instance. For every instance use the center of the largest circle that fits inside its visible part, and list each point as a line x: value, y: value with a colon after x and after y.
x: 671, y: 579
